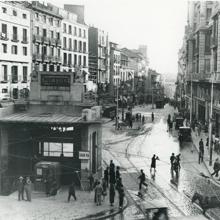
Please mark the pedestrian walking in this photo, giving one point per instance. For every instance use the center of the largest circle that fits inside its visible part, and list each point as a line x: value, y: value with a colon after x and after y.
x: 118, y: 184
x: 94, y: 187
x: 178, y: 161
x: 152, y: 117
x: 91, y: 181
x: 72, y: 191
x: 142, y: 179
x: 172, y: 158
x: 111, y: 194
x: 176, y: 167
x: 216, y: 167
x: 143, y: 120
x: 201, y: 150
x: 104, y: 189
x: 117, y: 173
x: 27, y: 188
x: 106, y: 175
x: 98, y: 193
x: 112, y: 172
x: 20, y: 186
x: 131, y: 123
x: 121, y: 197
x: 153, y: 163
x: 112, y: 166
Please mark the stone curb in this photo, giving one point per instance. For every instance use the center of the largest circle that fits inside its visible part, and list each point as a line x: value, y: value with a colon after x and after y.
x: 100, y: 216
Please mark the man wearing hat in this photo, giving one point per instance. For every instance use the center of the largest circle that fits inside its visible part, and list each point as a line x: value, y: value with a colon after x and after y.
x: 20, y: 188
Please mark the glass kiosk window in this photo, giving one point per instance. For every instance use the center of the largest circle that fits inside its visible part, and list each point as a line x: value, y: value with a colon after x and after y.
x: 52, y: 149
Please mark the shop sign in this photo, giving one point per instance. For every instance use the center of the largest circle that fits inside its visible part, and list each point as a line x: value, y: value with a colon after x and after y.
x: 84, y: 155
x: 55, y: 80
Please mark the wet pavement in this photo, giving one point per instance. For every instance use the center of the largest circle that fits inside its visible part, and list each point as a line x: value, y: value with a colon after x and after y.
x: 135, y: 154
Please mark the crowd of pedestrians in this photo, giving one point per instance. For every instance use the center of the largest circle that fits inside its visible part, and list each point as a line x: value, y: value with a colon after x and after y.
x: 111, y: 182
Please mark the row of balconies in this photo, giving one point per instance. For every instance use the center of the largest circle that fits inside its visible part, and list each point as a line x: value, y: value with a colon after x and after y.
x: 74, y: 65
x: 47, y: 58
x: 14, y: 38
x: 74, y: 49
x: 46, y: 40
x: 13, y: 81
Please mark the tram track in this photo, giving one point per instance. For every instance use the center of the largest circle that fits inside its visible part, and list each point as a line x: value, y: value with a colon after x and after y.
x: 155, y: 186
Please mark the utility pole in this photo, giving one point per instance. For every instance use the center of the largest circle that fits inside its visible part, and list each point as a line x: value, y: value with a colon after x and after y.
x: 116, y: 124
x: 210, y: 122
x: 191, y: 98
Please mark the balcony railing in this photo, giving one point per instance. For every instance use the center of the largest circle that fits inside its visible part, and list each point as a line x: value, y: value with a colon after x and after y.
x: 46, y: 58
x: 58, y: 41
x: 3, y: 36
x: 53, y: 41
x: 24, y: 41
x: 58, y: 59
x: 37, y: 57
x: 14, y: 38
x: 37, y: 38
x: 46, y: 40
x: 52, y: 59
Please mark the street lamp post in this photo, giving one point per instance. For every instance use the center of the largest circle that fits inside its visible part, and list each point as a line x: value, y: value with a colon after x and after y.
x: 116, y: 121
x: 210, y: 122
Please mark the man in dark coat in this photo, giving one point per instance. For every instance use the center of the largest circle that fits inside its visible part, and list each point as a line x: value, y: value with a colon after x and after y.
x: 112, y: 194
x: 152, y: 117
x: 20, y: 188
x: 121, y: 197
x: 72, y: 191
x: 153, y: 163
x: 142, y: 179
x: 112, y: 172
x: 117, y: 173
x: 106, y: 175
x: 201, y: 151
x: 172, y: 158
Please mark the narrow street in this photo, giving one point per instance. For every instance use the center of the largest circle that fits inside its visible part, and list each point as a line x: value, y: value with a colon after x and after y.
x: 135, y: 154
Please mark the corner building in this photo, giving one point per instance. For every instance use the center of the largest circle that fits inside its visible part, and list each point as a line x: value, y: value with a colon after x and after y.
x: 15, y: 50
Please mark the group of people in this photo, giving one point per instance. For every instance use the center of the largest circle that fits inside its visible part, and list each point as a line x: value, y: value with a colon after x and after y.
x: 24, y: 186
x: 175, y: 163
x: 111, y: 181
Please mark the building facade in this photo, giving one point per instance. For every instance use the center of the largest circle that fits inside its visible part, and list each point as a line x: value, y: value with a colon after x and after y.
x: 15, y: 50
x: 98, y: 56
x: 74, y: 44
x: 55, y: 126
x: 46, y: 37
x: 203, y: 63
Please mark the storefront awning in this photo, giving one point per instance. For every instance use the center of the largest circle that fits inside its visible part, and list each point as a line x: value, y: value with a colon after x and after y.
x: 46, y: 118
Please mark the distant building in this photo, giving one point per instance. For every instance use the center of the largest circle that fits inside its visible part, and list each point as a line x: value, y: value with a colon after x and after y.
x: 98, y: 56
x: 15, y: 50
x: 74, y: 44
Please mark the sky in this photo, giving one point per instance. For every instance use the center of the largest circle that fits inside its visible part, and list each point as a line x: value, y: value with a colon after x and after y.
x: 159, y: 24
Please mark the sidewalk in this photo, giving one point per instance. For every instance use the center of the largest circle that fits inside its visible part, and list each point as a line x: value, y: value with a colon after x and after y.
x: 196, y: 140
x: 43, y: 208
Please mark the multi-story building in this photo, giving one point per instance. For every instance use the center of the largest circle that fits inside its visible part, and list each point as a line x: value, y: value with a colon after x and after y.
x: 46, y: 36
x: 203, y: 63
x: 98, y: 55
x: 75, y: 44
x: 15, y: 53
